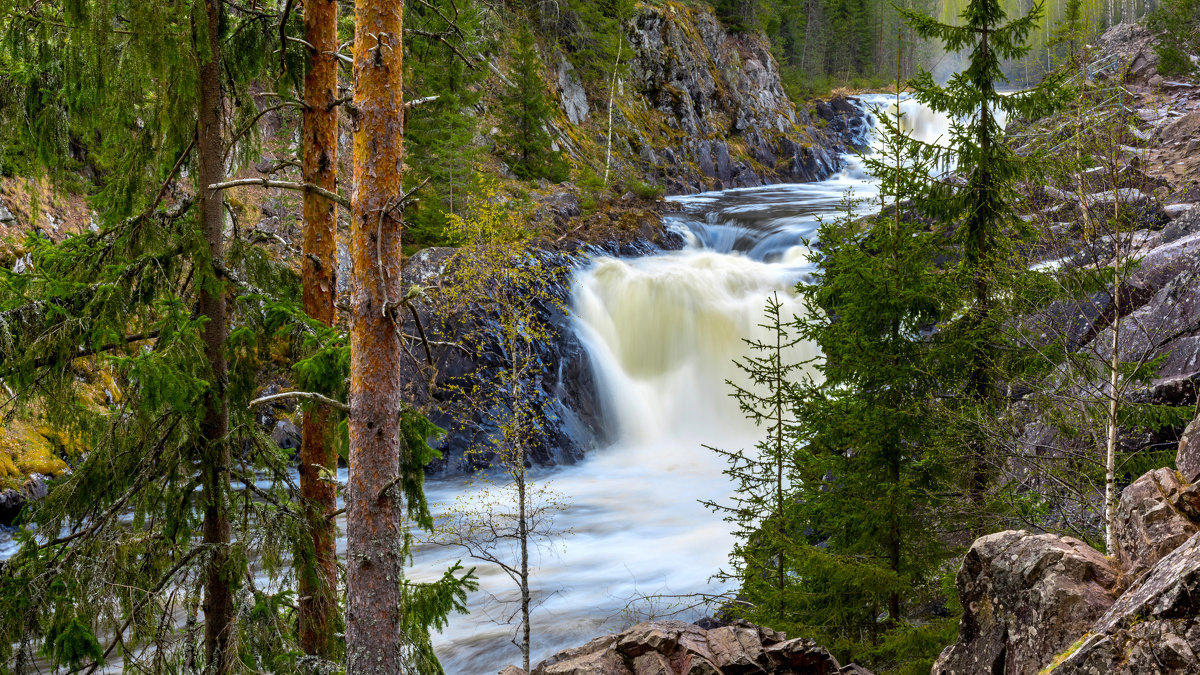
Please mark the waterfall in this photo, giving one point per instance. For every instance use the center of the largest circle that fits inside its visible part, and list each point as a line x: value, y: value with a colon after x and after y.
x: 661, y: 333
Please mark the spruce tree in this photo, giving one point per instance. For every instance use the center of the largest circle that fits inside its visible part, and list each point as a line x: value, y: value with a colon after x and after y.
x: 761, y: 509
x: 442, y: 133
x: 873, y: 472
x: 527, y: 109
x: 139, y: 91
x: 983, y: 205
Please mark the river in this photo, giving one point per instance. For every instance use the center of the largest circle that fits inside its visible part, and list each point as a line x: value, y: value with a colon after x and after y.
x: 662, y: 332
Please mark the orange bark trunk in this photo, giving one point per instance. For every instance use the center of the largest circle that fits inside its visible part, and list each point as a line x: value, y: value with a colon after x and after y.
x: 318, y: 572
x: 374, y: 539
x: 219, y: 582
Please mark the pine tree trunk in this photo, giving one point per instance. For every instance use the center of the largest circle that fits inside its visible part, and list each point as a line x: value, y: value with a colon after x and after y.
x: 219, y: 640
x: 374, y: 563
x: 318, y: 572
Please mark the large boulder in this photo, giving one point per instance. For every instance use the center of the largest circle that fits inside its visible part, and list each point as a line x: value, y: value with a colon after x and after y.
x: 678, y: 648
x: 1025, y: 598
x: 1153, y: 628
x: 1149, y: 525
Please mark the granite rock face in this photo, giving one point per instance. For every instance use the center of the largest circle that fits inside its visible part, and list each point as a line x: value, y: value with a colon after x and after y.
x: 1050, y: 604
x: 1149, y: 523
x: 1025, y: 598
x: 1154, y: 627
x: 705, y: 109
x: 1187, y: 458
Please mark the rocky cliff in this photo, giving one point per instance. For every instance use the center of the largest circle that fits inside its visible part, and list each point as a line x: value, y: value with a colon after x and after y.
x: 703, y: 109
x: 1046, y: 603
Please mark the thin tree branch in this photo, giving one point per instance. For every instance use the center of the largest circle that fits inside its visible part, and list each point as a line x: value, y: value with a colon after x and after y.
x: 307, y: 395
x: 284, y: 185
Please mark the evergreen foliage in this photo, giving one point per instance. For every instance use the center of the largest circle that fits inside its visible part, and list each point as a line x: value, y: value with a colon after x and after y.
x: 527, y: 110
x: 983, y: 205
x: 112, y: 564
x: 1175, y: 22
x: 761, y: 509
x: 875, y: 474
x: 441, y: 140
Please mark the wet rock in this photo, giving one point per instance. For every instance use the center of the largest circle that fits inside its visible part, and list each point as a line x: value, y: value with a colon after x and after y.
x: 1148, y: 524
x: 674, y: 647
x: 1025, y: 598
x: 1187, y: 458
x: 6, y: 216
x: 1154, y: 627
x: 12, y: 501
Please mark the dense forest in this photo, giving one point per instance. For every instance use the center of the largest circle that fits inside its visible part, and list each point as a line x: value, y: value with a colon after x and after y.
x: 274, y: 271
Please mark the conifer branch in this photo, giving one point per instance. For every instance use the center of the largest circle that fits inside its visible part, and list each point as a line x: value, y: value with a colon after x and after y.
x: 119, y: 636
x: 162, y: 191
x: 307, y: 395
x: 283, y: 36
x: 83, y: 352
x: 442, y: 37
x: 284, y: 185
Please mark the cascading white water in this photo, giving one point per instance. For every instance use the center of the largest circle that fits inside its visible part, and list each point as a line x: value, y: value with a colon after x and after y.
x: 661, y: 333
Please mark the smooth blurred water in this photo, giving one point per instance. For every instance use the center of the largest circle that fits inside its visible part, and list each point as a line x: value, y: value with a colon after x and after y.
x: 662, y: 333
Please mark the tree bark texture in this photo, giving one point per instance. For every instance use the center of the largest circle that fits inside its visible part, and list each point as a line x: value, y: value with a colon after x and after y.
x: 220, y: 580
x: 374, y: 539
x: 318, y: 572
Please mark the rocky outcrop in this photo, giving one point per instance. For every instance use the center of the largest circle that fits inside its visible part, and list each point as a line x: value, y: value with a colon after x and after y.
x: 705, y: 109
x: 678, y: 648
x: 1133, y: 46
x: 1045, y: 603
x: 1153, y: 628
x: 565, y: 397
x: 1025, y: 598
x: 1149, y: 522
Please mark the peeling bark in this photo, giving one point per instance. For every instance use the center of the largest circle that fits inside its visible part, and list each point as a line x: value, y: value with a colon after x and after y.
x: 318, y: 572
x: 374, y: 538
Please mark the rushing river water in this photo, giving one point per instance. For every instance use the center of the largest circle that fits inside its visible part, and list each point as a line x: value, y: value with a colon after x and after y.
x: 662, y: 333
